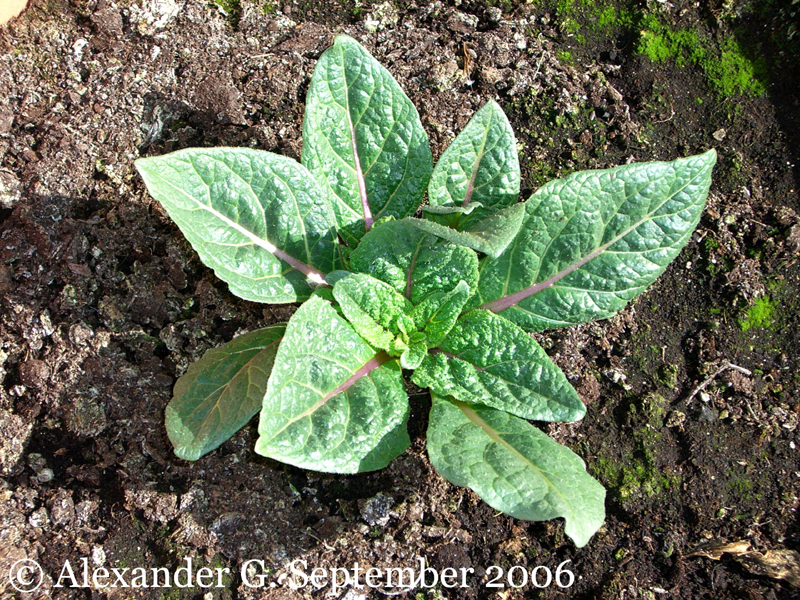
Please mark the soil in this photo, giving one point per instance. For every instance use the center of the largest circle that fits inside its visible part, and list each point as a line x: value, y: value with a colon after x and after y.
x: 104, y: 304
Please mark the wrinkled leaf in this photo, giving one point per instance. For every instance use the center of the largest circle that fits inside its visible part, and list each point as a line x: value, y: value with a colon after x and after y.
x: 491, y: 235
x: 258, y: 219
x: 593, y: 241
x: 375, y: 310
x: 486, y: 359
x: 363, y: 140
x: 514, y: 467
x: 221, y: 392
x: 413, y: 356
x: 413, y: 262
x: 480, y: 167
x: 436, y: 315
x: 332, y: 404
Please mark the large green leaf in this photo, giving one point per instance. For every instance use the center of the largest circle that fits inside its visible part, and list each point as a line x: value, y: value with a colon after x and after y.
x: 363, y: 139
x: 486, y: 359
x: 514, y: 467
x: 221, y: 392
x: 593, y: 241
x: 413, y: 262
x: 332, y: 404
x: 491, y: 234
x: 480, y: 166
x: 258, y: 219
x: 375, y: 310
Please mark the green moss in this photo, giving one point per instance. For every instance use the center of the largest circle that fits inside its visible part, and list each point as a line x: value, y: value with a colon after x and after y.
x: 727, y: 68
x: 668, y: 376
x: 231, y: 8
x: 636, y: 473
x: 761, y: 315
x: 565, y: 57
x: 732, y: 73
x: 659, y: 42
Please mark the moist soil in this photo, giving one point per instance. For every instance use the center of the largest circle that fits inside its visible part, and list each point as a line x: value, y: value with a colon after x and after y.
x: 104, y: 303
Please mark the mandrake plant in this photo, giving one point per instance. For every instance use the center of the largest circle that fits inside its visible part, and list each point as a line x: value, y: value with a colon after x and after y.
x: 446, y: 301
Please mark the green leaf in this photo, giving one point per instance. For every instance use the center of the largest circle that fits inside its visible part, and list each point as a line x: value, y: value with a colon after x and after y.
x: 595, y: 240
x: 332, y: 404
x: 413, y: 356
x: 363, y: 140
x: 413, y: 262
x: 375, y: 310
x: 514, y: 467
x: 437, y: 314
x: 480, y: 167
x: 491, y: 235
x: 221, y: 392
x: 258, y: 219
x: 488, y: 360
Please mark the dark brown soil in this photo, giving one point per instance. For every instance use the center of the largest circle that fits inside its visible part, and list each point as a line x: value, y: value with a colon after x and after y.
x: 104, y: 304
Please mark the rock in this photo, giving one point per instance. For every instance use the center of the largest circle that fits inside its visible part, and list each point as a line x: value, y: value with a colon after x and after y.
x: 34, y: 373
x: 462, y: 23
x: 494, y: 15
x: 375, y: 511
x: 793, y: 239
x: 62, y: 508
x: 10, y: 192
x: 383, y: 16
x: 153, y: 15
x: 14, y: 434
x: 445, y: 76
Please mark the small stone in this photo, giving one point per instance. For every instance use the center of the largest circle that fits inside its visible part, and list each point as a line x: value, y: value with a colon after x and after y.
x: 719, y: 135
x: 10, y: 190
x: 491, y: 75
x: 62, y: 508
x: 462, y: 23
x: 383, y: 16
x: 39, y: 518
x: 34, y: 373
x: 45, y: 475
x: 80, y: 334
x: 98, y: 555
x: 494, y: 15
x: 375, y: 511
x: 675, y: 419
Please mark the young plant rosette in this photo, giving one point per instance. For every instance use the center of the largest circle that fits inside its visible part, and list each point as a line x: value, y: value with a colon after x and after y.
x: 447, y: 300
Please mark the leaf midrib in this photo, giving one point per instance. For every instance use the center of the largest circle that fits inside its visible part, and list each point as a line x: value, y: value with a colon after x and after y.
x: 505, y: 302
x: 474, y: 418
x: 312, y: 273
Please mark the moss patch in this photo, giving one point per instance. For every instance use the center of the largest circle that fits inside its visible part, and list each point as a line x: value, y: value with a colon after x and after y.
x: 761, y: 314
x: 638, y: 473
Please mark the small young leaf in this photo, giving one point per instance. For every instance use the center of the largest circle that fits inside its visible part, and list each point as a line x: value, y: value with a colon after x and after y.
x: 437, y: 314
x: 258, y: 219
x: 221, y: 392
x: 514, y: 467
x: 414, y: 356
x: 486, y: 359
x: 375, y: 310
x: 480, y: 166
x: 332, y: 404
x: 363, y: 139
x: 491, y: 234
x: 593, y: 241
x: 413, y: 262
